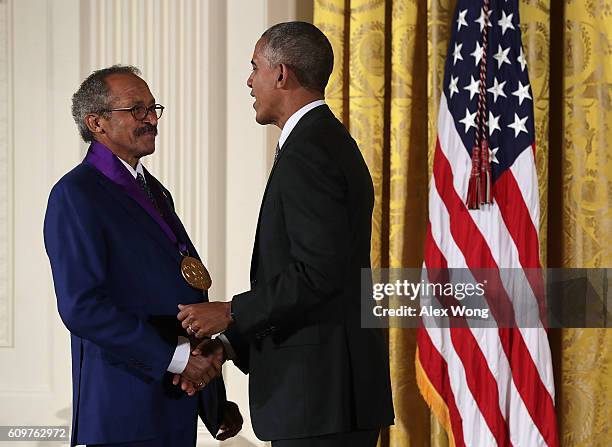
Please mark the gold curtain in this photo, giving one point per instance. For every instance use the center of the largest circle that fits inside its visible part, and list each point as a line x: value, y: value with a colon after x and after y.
x: 386, y: 89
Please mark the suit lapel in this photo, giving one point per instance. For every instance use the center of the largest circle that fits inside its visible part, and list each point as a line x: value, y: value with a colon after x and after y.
x: 142, y: 219
x: 180, y: 228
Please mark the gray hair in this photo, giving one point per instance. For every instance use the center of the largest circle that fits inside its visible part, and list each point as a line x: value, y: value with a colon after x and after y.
x: 304, y: 48
x: 93, y: 96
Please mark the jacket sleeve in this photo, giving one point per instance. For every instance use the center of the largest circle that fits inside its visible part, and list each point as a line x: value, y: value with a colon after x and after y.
x: 314, y: 204
x: 211, y: 405
x: 241, y: 347
x: 78, y: 252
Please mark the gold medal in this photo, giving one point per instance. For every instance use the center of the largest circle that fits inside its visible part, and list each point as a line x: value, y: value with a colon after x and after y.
x: 195, y: 273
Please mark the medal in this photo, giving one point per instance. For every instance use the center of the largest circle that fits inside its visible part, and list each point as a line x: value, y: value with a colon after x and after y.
x: 195, y: 273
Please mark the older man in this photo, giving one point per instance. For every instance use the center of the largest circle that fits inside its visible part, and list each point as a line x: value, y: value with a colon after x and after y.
x: 116, y: 248
x: 316, y: 377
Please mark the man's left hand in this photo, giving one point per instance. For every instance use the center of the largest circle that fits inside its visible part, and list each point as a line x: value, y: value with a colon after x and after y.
x: 232, y: 421
x: 205, y: 319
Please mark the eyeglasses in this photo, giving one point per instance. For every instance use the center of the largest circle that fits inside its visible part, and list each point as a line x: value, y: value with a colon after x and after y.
x: 140, y: 112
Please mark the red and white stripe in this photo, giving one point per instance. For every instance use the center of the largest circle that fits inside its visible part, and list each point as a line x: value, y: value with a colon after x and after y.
x: 496, y: 384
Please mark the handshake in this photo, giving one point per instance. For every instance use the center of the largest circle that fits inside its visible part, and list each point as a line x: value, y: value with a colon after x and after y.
x: 207, y: 355
x: 200, y: 321
x: 205, y: 360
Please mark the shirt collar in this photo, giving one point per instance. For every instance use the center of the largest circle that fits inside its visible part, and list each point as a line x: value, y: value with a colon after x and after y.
x: 295, y: 118
x: 134, y: 172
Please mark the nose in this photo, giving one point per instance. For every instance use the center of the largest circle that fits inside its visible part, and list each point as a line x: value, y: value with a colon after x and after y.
x: 151, y: 117
x: 250, y: 81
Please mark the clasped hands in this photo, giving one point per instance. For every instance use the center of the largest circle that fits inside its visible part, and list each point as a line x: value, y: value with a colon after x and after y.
x: 205, y: 360
x: 200, y: 321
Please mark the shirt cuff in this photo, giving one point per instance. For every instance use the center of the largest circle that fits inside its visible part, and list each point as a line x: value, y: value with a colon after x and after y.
x: 180, y: 357
x: 229, y: 351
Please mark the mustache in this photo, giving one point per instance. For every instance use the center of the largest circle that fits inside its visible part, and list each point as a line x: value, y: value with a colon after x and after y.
x: 146, y: 129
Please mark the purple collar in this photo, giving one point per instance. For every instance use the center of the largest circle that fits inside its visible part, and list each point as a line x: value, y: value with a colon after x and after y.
x: 102, y: 158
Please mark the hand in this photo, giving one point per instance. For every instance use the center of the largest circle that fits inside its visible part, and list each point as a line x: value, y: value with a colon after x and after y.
x: 232, y: 422
x: 195, y: 343
x: 200, y: 370
x: 187, y: 386
x: 205, y: 319
x: 208, y: 347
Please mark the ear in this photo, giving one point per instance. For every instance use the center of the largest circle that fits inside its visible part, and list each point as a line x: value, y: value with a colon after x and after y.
x: 283, y: 76
x: 92, y: 121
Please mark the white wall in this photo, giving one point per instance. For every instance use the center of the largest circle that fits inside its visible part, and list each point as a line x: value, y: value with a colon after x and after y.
x: 195, y: 55
x: 37, y: 144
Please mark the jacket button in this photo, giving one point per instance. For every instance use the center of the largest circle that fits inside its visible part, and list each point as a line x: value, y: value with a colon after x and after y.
x: 253, y: 283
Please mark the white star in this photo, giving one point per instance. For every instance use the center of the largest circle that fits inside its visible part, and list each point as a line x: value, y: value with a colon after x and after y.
x: 457, y: 53
x: 522, y: 59
x: 477, y: 53
x: 522, y: 92
x: 469, y: 120
x: 497, y: 90
x: 493, y: 123
x: 461, y: 20
x: 473, y: 87
x: 452, y: 86
x: 481, y: 19
x: 518, y: 125
x: 492, y: 157
x: 505, y: 22
x: 502, y: 56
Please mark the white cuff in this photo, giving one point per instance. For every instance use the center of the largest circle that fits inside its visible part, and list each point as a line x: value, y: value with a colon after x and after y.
x: 180, y: 357
x: 229, y: 351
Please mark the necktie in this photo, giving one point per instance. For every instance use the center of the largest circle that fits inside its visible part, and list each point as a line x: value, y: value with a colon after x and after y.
x: 276, y: 152
x: 145, y: 188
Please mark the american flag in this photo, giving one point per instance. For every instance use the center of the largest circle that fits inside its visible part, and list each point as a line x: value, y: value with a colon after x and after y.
x: 488, y: 387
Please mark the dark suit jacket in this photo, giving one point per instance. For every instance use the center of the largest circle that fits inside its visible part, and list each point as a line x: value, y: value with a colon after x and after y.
x: 313, y: 369
x: 118, y: 284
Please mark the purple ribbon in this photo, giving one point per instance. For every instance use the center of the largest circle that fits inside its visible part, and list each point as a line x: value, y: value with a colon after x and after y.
x: 101, y: 157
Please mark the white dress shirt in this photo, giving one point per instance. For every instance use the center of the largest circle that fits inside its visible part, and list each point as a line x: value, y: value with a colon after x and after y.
x: 183, y: 349
x: 295, y: 118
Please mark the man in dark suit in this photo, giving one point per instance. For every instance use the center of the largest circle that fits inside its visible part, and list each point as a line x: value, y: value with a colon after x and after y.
x: 116, y: 247
x: 316, y: 377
